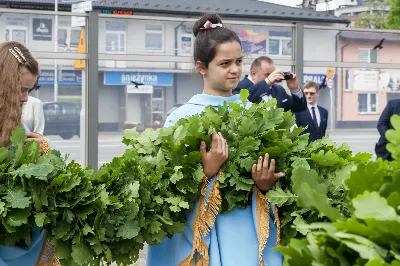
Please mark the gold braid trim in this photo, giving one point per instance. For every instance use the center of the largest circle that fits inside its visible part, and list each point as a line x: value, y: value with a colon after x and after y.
x: 47, y: 255
x: 204, y: 185
x: 45, y: 146
x: 277, y: 221
x: 263, y: 216
x: 201, y: 262
x: 206, y: 214
x: 198, y: 244
x: 208, y: 217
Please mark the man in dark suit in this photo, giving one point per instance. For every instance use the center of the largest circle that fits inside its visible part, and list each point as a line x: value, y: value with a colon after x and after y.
x: 261, y: 84
x: 315, y: 117
x: 392, y: 108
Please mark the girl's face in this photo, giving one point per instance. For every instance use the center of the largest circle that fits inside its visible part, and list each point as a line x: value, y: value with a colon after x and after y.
x: 224, y: 71
x: 28, y: 80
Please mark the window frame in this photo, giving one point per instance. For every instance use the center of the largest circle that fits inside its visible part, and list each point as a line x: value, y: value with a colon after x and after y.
x: 280, y: 39
x: 119, y: 34
x: 161, y: 32
x: 67, y: 46
x: 11, y: 28
x: 369, y: 107
x: 369, y: 55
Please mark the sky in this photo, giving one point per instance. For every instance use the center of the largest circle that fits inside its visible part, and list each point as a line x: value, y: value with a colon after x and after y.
x: 294, y: 3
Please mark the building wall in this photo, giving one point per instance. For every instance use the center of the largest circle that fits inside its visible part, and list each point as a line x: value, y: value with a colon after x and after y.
x: 188, y: 85
x: 109, y: 106
x: 384, y: 83
x: 135, y: 43
x: 133, y: 108
x: 319, y: 45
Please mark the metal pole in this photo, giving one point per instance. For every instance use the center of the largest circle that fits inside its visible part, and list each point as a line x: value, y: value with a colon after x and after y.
x: 55, y: 50
x: 92, y: 92
x: 126, y: 105
x: 299, y: 52
x: 332, y: 109
x: 83, y: 121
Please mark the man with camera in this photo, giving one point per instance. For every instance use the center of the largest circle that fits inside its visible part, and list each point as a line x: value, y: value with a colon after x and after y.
x: 261, y: 84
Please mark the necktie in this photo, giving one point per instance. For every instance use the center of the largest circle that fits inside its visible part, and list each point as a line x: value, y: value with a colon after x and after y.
x: 314, y: 116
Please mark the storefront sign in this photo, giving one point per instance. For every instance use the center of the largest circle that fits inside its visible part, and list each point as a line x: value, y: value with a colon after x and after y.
x: 147, y: 78
x: 117, y: 12
x: 67, y: 77
x: 365, y: 80
x: 16, y: 20
x: 389, y: 80
x: 254, y: 41
x: 42, y: 29
x: 80, y: 7
x: 143, y: 89
x: 319, y: 78
x: 37, y: 6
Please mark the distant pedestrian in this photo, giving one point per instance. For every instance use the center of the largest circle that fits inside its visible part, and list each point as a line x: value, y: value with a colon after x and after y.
x: 315, y: 118
x: 392, y: 108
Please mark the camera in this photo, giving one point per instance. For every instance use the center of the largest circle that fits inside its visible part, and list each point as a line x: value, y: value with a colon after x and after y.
x: 287, y: 75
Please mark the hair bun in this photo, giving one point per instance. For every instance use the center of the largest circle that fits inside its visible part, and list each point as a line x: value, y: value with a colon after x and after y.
x: 213, y: 18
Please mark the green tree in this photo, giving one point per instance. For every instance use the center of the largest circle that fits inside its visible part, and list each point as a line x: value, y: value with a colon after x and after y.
x: 393, y: 20
x: 375, y: 17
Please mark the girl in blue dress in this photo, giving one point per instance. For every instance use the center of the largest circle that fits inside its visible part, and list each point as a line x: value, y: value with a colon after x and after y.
x: 242, y: 237
x: 19, y: 72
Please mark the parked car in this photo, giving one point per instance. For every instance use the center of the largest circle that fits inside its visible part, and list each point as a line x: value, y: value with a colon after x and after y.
x: 62, y: 118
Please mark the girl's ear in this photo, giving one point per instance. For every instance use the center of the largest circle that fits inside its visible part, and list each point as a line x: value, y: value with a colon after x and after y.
x: 201, y: 68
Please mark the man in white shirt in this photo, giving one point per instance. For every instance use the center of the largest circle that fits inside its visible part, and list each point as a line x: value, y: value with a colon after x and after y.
x: 315, y: 117
x: 33, y: 115
x: 262, y: 85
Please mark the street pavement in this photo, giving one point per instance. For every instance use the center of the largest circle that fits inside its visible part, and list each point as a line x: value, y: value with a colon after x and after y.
x: 360, y: 140
x: 110, y: 145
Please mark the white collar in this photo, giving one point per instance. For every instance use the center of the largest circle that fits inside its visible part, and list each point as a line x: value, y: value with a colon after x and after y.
x: 249, y: 78
x: 312, y: 105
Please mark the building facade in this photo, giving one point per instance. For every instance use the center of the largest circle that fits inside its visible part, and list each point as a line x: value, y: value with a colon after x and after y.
x: 351, y: 9
x: 362, y: 93
x: 166, y: 83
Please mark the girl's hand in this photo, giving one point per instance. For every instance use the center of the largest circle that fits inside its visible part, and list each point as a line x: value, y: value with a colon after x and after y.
x: 265, y: 177
x: 34, y: 137
x: 44, y: 144
x: 216, y: 156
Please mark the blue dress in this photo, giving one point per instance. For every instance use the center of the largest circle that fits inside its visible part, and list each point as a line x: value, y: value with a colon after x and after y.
x: 233, y: 240
x: 24, y: 256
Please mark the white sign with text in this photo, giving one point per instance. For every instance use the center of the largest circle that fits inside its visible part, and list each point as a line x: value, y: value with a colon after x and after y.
x: 81, y: 7
x: 142, y: 89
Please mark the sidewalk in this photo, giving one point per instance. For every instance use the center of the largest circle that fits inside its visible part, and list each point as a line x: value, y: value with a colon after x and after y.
x: 346, y: 130
x: 338, y: 130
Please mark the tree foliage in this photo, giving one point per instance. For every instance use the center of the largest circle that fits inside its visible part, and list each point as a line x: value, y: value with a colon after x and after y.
x: 393, y: 19
x: 375, y: 17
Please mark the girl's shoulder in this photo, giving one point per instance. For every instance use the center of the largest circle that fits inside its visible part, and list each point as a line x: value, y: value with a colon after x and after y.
x: 186, y: 110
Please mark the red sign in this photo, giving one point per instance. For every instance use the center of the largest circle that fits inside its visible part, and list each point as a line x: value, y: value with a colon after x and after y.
x: 117, y: 12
